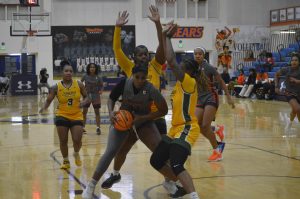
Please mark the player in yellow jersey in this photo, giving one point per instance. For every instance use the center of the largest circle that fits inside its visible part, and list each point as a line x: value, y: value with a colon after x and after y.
x: 141, y: 55
x: 68, y: 115
x: 176, y: 146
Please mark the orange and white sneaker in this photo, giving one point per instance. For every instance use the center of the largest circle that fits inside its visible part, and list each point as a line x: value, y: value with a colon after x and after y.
x: 65, y: 164
x: 77, y: 159
x: 292, y: 116
x: 216, y: 156
x: 220, y: 132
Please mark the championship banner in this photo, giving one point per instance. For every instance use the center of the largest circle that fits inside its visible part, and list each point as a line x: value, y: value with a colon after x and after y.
x: 189, y: 32
x: 81, y: 45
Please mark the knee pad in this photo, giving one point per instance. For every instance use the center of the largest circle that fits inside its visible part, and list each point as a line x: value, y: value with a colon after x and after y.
x: 177, y: 168
x: 155, y: 161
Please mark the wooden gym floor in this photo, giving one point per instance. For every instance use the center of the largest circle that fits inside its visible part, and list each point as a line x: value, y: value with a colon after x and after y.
x: 261, y: 157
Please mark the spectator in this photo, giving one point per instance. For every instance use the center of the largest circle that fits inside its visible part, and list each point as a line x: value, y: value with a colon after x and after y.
x: 225, y: 75
x: 226, y: 78
x: 235, y: 86
x: 43, y: 80
x: 268, y: 66
x: 248, y: 87
x: 241, y: 78
x: 262, y: 81
x: 4, y: 84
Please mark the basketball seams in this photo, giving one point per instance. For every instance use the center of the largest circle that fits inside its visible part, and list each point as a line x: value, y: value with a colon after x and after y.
x: 124, y: 120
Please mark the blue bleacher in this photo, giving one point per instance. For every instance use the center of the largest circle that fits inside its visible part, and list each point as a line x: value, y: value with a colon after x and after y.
x: 286, y: 51
x: 271, y: 74
x: 276, y: 56
x: 295, y: 46
x: 275, y: 69
x: 281, y: 64
x: 287, y: 59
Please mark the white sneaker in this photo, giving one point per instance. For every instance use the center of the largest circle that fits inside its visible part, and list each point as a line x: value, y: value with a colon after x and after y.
x: 88, y: 191
x: 170, y: 186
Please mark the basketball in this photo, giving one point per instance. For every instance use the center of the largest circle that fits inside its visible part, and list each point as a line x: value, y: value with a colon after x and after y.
x: 123, y: 121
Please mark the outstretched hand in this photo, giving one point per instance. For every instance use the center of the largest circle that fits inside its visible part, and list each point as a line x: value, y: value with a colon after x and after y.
x: 122, y: 18
x: 155, y: 17
x: 112, y: 117
x: 230, y: 102
x: 170, y: 29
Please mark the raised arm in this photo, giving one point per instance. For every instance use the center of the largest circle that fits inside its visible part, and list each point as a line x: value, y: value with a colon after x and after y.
x: 155, y: 17
x: 123, y: 61
x: 229, y: 32
x: 169, y: 52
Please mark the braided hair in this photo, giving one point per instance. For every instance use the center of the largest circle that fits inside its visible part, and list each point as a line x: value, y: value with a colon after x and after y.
x: 202, y: 80
x: 197, y: 72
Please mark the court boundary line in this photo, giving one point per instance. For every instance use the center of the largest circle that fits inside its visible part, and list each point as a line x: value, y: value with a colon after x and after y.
x: 147, y: 191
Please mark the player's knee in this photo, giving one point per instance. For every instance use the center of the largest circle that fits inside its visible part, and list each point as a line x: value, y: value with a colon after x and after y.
x: 205, y: 127
x: 155, y: 161
x: 177, y: 168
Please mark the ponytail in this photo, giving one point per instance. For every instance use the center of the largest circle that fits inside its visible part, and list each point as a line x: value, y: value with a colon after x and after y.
x: 202, y: 80
x: 197, y: 72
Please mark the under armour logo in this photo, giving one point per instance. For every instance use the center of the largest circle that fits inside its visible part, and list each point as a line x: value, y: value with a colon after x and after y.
x: 21, y: 85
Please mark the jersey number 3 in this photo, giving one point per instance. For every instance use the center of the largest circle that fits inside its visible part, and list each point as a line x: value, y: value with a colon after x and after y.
x: 70, y: 102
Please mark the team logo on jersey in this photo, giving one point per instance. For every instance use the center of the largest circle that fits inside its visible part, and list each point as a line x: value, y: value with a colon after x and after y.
x: 21, y: 85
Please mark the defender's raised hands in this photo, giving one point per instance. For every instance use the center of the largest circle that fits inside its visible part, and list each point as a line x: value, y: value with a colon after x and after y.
x: 155, y: 17
x: 122, y: 18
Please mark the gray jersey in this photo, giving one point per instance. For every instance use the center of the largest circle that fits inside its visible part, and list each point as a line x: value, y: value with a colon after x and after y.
x: 291, y: 87
x: 210, y: 72
x: 93, y: 84
x: 140, y: 102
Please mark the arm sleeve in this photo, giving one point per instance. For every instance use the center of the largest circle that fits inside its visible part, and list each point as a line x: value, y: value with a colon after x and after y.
x: 117, y: 91
x: 123, y: 61
x: 188, y: 84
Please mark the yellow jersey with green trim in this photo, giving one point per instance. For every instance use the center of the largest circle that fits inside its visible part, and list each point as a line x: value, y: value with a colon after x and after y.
x: 154, y: 68
x: 69, y: 101
x: 184, y: 99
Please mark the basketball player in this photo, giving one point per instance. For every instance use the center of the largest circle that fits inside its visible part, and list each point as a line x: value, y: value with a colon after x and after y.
x: 176, y: 145
x: 94, y: 87
x: 208, y: 102
x: 68, y: 115
x: 137, y: 94
x: 292, y: 82
x: 141, y: 55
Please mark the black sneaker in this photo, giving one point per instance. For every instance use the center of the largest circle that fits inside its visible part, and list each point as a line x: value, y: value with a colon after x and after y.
x: 179, y: 193
x: 98, y: 131
x: 108, y: 183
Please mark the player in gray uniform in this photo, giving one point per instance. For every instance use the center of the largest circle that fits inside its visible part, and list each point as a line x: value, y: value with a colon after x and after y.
x: 208, y: 102
x: 292, y: 82
x: 94, y: 87
x: 137, y: 94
